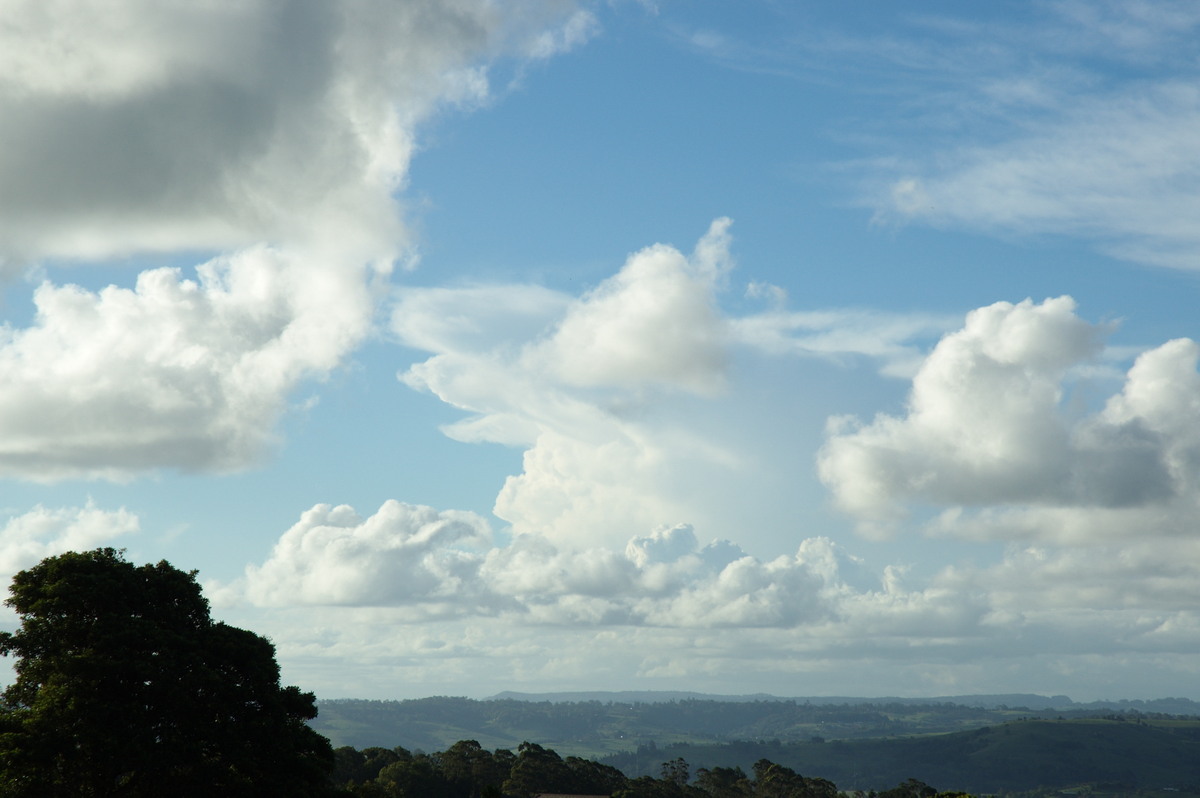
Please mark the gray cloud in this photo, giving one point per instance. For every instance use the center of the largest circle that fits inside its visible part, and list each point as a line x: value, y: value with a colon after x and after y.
x: 162, y: 126
x: 275, y: 132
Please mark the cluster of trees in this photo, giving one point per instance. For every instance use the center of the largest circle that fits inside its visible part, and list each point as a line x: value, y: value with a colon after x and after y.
x: 125, y: 686
x: 467, y: 770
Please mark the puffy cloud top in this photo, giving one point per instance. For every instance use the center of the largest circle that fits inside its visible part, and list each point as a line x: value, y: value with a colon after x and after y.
x: 431, y: 564
x: 986, y: 424
x: 44, y: 532
x: 189, y: 373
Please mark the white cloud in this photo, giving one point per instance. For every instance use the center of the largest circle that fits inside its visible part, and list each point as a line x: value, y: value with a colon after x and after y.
x: 348, y: 590
x: 43, y: 532
x: 668, y: 607
x: 838, y: 334
x: 621, y: 398
x: 654, y: 323
x: 573, y: 391
x: 579, y: 28
x: 401, y: 554
x: 175, y: 372
x: 1117, y: 170
x: 987, y: 425
x: 1078, y: 123
x: 1141, y: 575
x: 430, y: 564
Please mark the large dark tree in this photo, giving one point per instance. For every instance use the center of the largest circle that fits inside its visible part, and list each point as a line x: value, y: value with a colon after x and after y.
x: 126, y: 687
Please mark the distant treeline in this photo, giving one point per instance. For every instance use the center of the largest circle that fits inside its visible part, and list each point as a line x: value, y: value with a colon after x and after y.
x: 467, y: 770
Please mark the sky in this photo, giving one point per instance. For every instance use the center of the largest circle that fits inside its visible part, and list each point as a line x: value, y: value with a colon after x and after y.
x: 805, y: 348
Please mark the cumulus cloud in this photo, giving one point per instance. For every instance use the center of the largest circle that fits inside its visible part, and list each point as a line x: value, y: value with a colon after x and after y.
x: 429, y: 564
x: 277, y: 133
x: 654, y: 323
x: 668, y: 607
x: 402, y: 553
x: 987, y: 425
x: 620, y: 397
x: 180, y: 372
x: 573, y: 392
x: 164, y: 126
x: 43, y: 532
x: 665, y: 606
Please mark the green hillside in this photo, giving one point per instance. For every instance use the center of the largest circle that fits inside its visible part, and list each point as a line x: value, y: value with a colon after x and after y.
x: 857, y: 746
x: 1122, y: 755
x: 594, y: 728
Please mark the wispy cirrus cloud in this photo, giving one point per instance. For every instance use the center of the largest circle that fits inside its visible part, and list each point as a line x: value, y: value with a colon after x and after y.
x: 1064, y: 118
x: 1025, y: 139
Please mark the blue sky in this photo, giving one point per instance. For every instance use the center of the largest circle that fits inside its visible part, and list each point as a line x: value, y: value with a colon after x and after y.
x: 803, y: 348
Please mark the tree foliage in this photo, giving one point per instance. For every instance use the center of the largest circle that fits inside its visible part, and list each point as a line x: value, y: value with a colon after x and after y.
x: 126, y: 687
x: 467, y: 770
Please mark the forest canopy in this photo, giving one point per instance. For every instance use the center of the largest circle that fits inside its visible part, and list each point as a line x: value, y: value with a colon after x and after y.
x: 125, y: 685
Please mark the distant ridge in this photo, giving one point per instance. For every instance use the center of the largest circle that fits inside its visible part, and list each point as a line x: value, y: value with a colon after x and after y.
x: 1026, y: 700
x: 630, y: 697
x: 1032, y: 701
x: 595, y: 723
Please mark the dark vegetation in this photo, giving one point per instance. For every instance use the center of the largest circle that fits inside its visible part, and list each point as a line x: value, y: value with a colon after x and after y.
x: 467, y: 770
x: 126, y: 687
x: 1115, y: 756
x: 1122, y: 755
